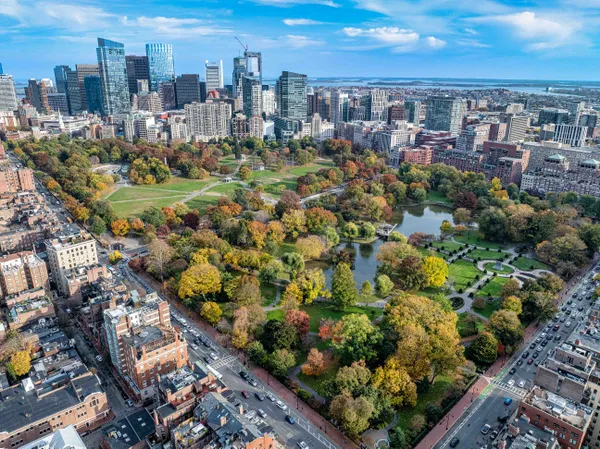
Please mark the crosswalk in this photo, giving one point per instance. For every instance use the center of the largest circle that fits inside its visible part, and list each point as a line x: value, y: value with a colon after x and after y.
x: 520, y: 392
x: 223, y: 362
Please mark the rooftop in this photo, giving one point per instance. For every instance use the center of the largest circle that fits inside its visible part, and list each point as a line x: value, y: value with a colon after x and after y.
x: 129, y: 431
x: 573, y: 413
x: 66, y: 438
x: 143, y: 336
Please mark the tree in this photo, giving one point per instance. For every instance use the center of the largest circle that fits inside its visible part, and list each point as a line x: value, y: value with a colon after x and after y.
x: 343, y: 286
x: 436, y: 270
x: 433, y: 413
x: 393, y: 378
x: 244, y: 173
x: 160, y: 255
x: 446, y: 227
x: 258, y: 233
x: 115, y: 257
x: 513, y: 304
x: 484, y: 349
x: 397, y: 438
x: 318, y: 219
x: 292, y: 296
x: 199, y: 280
x: 383, y: 285
x: 331, y: 237
x: 211, y: 312
x: 241, y: 324
x: 444, y: 303
x: 97, y: 225
x: 466, y: 200
x: 289, y: 201
x: 493, y: 224
x: 277, y: 334
x: 294, y: 222
x: 462, y: 216
x: 300, y: 320
x: 310, y: 247
x: 506, y: 327
x: 271, y: 272
x: 20, y: 363
x: 281, y: 361
x: 352, y: 414
x: 590, y: 235
x: 312, y: 284
x: 354, y: 338
x: 510, y: 288
x: 315, y: 363
x: 293, y: 263
x: 366, y: 290
x: 154, y: 216
x: 120, y: 228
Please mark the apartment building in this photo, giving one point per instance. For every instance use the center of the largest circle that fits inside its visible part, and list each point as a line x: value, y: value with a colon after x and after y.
x: 66, y: 438
x: 68, y: 252
x: 31, y: 310
x: 22, y: 271
x: 16, y: 180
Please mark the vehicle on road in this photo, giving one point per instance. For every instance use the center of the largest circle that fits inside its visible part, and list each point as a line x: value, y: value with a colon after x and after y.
x: 245, y: 394
x: 252, y: 381
x: 271, y: 397
x: 504, y: 416
x: 513, y: 370
x: 290, y: 419
x: 302, y: 445
x: 522, y: 384
x: 129, y: 403
x: 525, y: 354
x: 532, y: 345
x: 262, y: 413
x: 99, y: 358
x: 281, y: 405
x: 507, y: 401
x: 454, y: 442
x: 519, y: 362
x: 530, y: 361
x: 207, y: 359
x: 259, y: 396
x: 244, y: 375
x: 214, y: 356
x: 485, y: 429
x: 568, y: 324
x: 194, y: 347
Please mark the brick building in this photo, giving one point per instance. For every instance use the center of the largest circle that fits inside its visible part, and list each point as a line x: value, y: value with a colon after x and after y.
x: 16, y: 180
x: 22, y: 271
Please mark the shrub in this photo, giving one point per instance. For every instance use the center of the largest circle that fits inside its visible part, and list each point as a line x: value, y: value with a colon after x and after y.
x: 479, y: 303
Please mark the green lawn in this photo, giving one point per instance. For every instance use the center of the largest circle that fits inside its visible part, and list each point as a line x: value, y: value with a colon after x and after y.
x: 135, y: 208
x: 316, y: 382
x: 462, y: 274
x: 447, y: 246
x: 526, y: 264
x: 285, y: 248
x: 139, y: 193
x: 436, y: 196
x: 493, y: 287
x: 486, y: 255
x: 181, y: 184
x: 472, y: 238
x: 277, y: 188
x: 225, y: 188
x: 434, y: 395
x: 230, y: 161
x: 269, y: 292
x: 491, y: 266
x: 490, y: 307
x: 202, y: 202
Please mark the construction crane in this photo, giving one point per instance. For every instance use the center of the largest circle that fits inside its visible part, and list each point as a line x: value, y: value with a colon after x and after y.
x: 245, y: 47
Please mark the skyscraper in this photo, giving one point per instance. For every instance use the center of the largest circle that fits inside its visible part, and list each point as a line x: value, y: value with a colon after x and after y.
x: 339, y: 107
x: 292, y: 100
x: 60, y: 76
x: 208, y: 120
x: 93, y: 93
x: 213, y: 75
x: 73, y: 92
x: 1, y: 70
x: 37, y: 94
x: 187, y: 87
x: 412, y: 110
x: 137, y: 69
x: 254, y: 64
x: 8, y: 94
x: 84, y: 70
x: 444, y: 114
x: 248, y: 65
x: 516, y: 127
x: 168, y: 96
x: 160, y: 64
x: 252, y: 96
x: 377, y: 102
x: 113, y: 76
x: 239, y: 70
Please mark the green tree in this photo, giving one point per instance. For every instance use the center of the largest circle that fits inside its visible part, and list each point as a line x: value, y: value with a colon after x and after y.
x: 506, y: 327
x: 293, y: 263
x: 271, y: 272
x: 97, y: 225
x: 154, y: 216
x: 484, y: 349
x: 352, y: 414
x: 397, y: 438
x: 383, y: 285
x: 343, y: 286
x: 493, y: 224
x: 281, y: 361
x: 366, y: 290
x: 354, y: 338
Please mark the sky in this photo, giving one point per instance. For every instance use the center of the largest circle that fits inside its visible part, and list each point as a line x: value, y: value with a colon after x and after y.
x: 527, y: 39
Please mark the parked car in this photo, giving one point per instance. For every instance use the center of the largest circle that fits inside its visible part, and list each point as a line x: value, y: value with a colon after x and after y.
x: 245, y: 394
x: 259, y: 396
x: 290, y: 419
x: 530, y: 361
x: 281, y: 405
x: 513, y: 370
x: 454, y: 442
x: 262, y: 413
x: 522, y: 384
x: 485, y: 429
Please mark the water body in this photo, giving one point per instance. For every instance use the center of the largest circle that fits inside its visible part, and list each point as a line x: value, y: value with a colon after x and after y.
x: 410, y: 219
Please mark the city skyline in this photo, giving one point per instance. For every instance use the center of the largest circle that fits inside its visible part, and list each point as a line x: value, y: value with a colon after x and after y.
x: 319, y: 37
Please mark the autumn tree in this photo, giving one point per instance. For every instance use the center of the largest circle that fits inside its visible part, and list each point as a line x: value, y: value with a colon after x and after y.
x: 211, y: 312
x: 510, y: 288
x: 292, y: 297
x: 513, y: 304
x: 240, y: 333
x: 383, y: 285
x: 366, y: 290
x: 115, y: 257
x: 310, y: 247
x: 353, y: 414
x: 160, y: 254
x: 446, y: 227
x: 300, y: 320
x: 294, y: 222
x: 258, y: 233
x: 120, y: 228
x: 343, y: 286
x: 462, y: 216
x: 271, y: 272
x: 281, y: 361
x: 199, y: 280
x: 506, y: 327
x: 315, y: 363
x: 312, y: 284
x: 317, y: 219
x: 436, y: 270
x: 393, y: 378
x: 20, y: 363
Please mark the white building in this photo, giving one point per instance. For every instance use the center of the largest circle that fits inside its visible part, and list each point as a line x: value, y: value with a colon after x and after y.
x: 65, y: 438
x: 378, y: 105
x: 516, y: 128
x: 269, y: 105
x: 8, y: 94
x: 392, y: 141
x: 213, y: 75
x: 339, y: 107
x: 149, y: 102
x: 573, y: 135
x: 208, y: 120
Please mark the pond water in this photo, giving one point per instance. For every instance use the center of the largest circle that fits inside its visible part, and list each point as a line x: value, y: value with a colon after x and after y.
x: 410, y: 219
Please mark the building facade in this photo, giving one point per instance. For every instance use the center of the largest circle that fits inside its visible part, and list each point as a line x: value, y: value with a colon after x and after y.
x: 208, y: 120
x: 444, y: 114
x: 161, y: 67
x: 137, y: 70
x: 213, y: 72
x: 113, y: 76
x: 292, y: 101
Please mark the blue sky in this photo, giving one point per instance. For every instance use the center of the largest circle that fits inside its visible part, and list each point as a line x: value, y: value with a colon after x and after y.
x: 536, y: 39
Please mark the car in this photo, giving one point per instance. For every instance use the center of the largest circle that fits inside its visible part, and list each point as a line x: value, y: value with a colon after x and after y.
x: 522, y: 384
x: 563, y: 319
x: 207, y: 359
x: 530, y: 361
x: 214, y: 356
x: 252, y: 381
x: 535, y: 355
x: 262, y: 413
x: 532, y: 345
x: 519, y: 362
x: 504, y: 416
x: 507, y: 400
x: 544, y: 343
x: 556, y: 318
x: 271, y: 397
x: 580, y: 308
x: 99, y: 358
x: 245, y: 394
x: 129, y: 403
x: 290, y: 419
x: 194, y: 347
x: 302, y: 445
x: 281, y: 405
x: 513, y: 370
x: 494, y: 434
x: 454, y: 442
x: 569, y: 302
x: 568, y: 312
x: 250, y: 414
x: 557, y: 338
x: 537, y: 340
x: 244, y: 375
x: 525, y: 354
x: 485, y: 429
x: 259, y: 396
x: 556, y: 327
x: 568, y: 324
x: 536, y: 363
x: 549, y: 337
x: 511, y: 382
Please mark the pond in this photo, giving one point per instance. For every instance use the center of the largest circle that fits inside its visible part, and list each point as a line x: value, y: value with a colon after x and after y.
x: 410, y: 219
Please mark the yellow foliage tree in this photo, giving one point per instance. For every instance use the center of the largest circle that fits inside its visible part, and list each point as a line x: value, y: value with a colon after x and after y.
x: 120, y: 228
x: 211, y: 312
x: 513, y: 304
x: 20, y: 363
x: 436, y: 270
x: 393, y: 378
x: 199, y: 280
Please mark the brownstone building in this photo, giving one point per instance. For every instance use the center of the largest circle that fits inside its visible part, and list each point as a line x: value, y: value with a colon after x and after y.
x: 12, y: 181
x: 22, y: 271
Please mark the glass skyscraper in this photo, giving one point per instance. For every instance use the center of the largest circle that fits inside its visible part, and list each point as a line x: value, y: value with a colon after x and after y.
x: 60, y: 76
x: 113, y: 77
x: 292, y: 96
x: 93, y: 94
x: 160, y: 64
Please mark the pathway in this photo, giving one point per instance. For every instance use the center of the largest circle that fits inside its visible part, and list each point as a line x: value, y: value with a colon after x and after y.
x: 294, y: 374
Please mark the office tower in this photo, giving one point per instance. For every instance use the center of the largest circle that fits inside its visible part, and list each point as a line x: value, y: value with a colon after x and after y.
x: 252, y: 96
x: 1, y: 70
x: 313, y: 103
x: 213, y: 75
x: 187, y: 87
x: 239, y: 70
x: 339, y: 107
x: 60, y: 76
x: 160, y: 64
x: 93, y: 93
x: 292, y: 96
x: 412, y: 111
x: 84, y: 70
x: 553, y: 115
x: 268, y: 102
x: 239, y: 126
x: 142, y: 86
x: 377, y: 105
x: 37, y: 94
x: 570, y: 134
x: 208, y: 120
x: 58, y: 103
x: 137, y: 69
x: 254, y: 64
x: 73, y: 92
x: 113, y: 76
x: 168, y: 97
x: 444, y: 114
x: 516, y: 127
x: 8, y: 94
x: 575, y: 108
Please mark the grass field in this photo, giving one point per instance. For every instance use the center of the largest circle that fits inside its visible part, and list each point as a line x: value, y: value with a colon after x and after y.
x: 490, y: 307
x: 139, y: 193
x: 462, y: 273
x: 447, y: 246
x: 526, y: 264
x: 316, y: 382
x: 472, y: 238
x: 135, y: 208
x: 490, y: 266
x: 493, y: 287
x: 225, y: 188
x: 486, y: 255
x: 202, y: 202
x: 181, y: 184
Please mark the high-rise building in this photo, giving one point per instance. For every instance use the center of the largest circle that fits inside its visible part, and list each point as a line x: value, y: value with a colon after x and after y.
x: 516, y: 128
x: 256, y: 126
x: 58, y: 103
x: 570, y: 134
x: 339, y: 107
x: 22, y: 271
x: 377, y: 101
x: 252, y: 96
x: 248, y: 65
x: 254, y: 64
x: 1, y: 70
x: 575, y: 108
x: 208, y: 120
x: 8, y: 94
x: 160, y: 64
x: 239, y: 70
x: 73, y: 91
x: 93, y: 94
x: 412, y: 111
x: 292, y: 101
x: 444, y: 114
x: 269, y: 107
x: 472, y: 137
x: 60, y: 77
x: 213, y: 72
x: 137, y: 69
x: 37, y: 94
x: 187, y: 87
x: 168, y: 96
x: 149, y: 101
x: 553, y: 115
x: 113, y: 76
x: 83, y: 71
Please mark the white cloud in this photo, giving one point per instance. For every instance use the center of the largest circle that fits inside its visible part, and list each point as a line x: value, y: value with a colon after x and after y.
x: 296, y: 41
x: 399, y: 39
x: 471, y: 31
x: 545, y: 32
x: 288, y: 3
x: 473, y: 43
x: 176, y: 28
x: 300, y: 22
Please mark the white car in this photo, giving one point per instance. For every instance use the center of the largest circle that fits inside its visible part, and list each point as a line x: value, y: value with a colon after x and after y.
x: 262, y: 413
x: 511, y: 382
x: 99, y: 358
x: 522, y: 383
x: 194, y: 347
x: 281, y: 405
x: 302, y: 445
x: 271, y: 397
x: 214, y: 356
x: 568, y: 324
x: 485, y: 429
